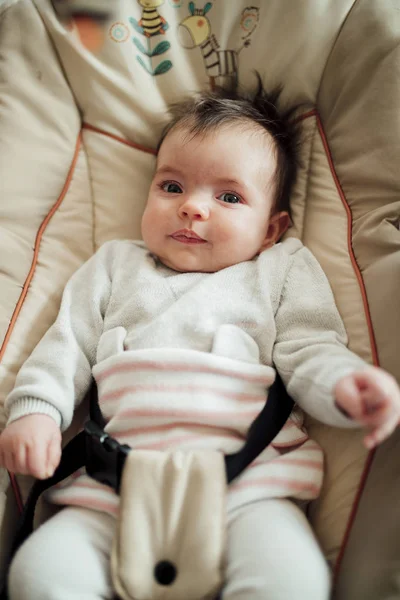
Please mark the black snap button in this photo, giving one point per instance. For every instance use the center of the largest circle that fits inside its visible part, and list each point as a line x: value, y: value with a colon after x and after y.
x: 165, y: 572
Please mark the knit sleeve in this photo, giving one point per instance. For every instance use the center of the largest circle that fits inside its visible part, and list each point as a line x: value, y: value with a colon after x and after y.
x: 56, y: 376
x: 310, y: 351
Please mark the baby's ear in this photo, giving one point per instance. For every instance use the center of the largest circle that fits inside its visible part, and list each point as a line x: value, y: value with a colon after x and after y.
x: 278, y: 224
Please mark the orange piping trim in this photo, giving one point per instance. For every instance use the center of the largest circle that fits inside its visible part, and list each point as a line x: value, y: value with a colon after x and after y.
x: 350, y: 244
x: 374, y: 350
x: 306, y: 115
x: 119, y: 139
x: 29, y: 278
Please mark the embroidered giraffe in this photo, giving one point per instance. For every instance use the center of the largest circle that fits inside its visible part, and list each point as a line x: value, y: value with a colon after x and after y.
x: 195, y: 31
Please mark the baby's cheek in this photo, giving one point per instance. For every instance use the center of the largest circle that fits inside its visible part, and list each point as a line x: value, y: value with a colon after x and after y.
x: 242, y: 233
x: 152, y: 215
x: 229, y: 231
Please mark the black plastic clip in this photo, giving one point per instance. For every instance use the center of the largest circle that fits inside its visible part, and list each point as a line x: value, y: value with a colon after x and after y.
x: 105, y: 457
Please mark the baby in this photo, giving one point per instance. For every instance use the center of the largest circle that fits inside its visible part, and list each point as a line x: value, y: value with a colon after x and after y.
x: 182, y: 334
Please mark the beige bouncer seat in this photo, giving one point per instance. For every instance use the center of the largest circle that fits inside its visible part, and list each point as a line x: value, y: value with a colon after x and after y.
x: 78, y: 132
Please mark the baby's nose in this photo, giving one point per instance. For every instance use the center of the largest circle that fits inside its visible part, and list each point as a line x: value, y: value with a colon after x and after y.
x: 194, y: 209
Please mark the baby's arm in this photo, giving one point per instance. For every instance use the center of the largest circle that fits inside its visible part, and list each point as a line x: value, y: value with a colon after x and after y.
x: 320, y: 373
x: 58, y: 373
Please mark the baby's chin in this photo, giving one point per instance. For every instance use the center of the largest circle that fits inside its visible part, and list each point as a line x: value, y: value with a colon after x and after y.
x: 199, y: 261
x: 187, y: 266
x: 192, y: 265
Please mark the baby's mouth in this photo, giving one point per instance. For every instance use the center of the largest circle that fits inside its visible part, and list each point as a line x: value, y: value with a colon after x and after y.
x: 187, y: 236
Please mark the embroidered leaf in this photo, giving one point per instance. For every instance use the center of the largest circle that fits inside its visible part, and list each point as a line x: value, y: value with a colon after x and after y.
x: 136, y: 25
x: 207, y: 7
x: 191, y: 8
x: 161, y: 48
x: 140, y: 46
x: 145, y: 67
x: 163, y: 67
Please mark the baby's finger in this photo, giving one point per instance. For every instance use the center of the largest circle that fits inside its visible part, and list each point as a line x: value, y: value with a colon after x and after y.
x: 381, y: 385
x: 380, y: 433
x: 53, y: 455
x: 37, y: 459
x: 20, y: 460
x: 374, y: 411
x: 348, y: 397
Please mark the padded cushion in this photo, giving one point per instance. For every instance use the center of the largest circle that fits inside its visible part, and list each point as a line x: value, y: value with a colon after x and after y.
x: 77, y: 139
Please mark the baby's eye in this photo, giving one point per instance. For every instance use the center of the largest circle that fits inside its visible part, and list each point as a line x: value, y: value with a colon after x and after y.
x: 230, y: 198
x: 171, y: 187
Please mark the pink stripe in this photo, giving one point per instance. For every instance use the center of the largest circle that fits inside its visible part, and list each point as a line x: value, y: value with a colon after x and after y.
x: 286, y: 460
x: 290, y: 443
x: 179, y: 389
x: 291, y: 484
x: 162, y: 413
x: 173, y: 442
x: 150, y: 365
x: 93, y: 486
x: 154, y: 429
x: 301, y: 462
x: 92, y: 503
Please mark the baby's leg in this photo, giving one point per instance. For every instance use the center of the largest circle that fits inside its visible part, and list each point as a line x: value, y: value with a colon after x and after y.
x: 273, y: 554
x: 66, y: 558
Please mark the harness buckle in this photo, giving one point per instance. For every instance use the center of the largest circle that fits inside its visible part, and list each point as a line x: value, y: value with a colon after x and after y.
x: 105, y: 456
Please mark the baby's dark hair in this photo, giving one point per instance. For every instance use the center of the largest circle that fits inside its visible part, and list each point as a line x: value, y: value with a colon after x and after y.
x: 208, y: 110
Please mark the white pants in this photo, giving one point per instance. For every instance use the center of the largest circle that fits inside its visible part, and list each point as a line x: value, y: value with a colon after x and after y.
x: 272, y: 554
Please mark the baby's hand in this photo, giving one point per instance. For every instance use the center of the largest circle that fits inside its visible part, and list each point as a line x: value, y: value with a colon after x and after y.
x: 31, y: 445
x: 371, y: 397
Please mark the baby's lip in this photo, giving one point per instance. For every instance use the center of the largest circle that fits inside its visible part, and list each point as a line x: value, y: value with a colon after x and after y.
x: 187, y: 236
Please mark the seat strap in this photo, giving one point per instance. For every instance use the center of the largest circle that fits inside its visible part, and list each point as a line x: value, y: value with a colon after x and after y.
x: 263, y: 430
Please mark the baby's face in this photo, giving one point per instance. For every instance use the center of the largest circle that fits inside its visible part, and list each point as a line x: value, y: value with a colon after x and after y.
x: 210, y: 201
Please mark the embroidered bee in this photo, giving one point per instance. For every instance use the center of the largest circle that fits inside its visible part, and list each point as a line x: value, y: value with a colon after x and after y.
x: 152, y: 23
